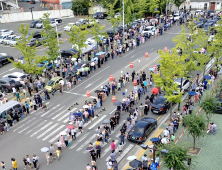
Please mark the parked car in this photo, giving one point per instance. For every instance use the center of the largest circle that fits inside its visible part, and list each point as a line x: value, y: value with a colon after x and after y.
x: 102, y: 15
x: 14, y: 40
x: 207, y: 27
x: 33, y: 24
x: 4, y: 31
x: 82, y: 21
x: 142, y: 129
x: 185, y: 85
x: 118, y: 14
x: 46, y: 64
x: 199, y: 24
x: 34, y: 42
x: 17, y: 76
x: 53, y: 82
x: 66, y: 53
x: 36, y: 35
x: 39, y: 24
x: 148, y: 30
x: 53, y: 24
x: 7, y: 84
x: 69, y: 26
x: 56, y: 20
x: 4, y: 59
x: 161, y: 105
x: 96, y: 15
x: 110, y: 32
x: 3, y: 37
x: 8, y: 39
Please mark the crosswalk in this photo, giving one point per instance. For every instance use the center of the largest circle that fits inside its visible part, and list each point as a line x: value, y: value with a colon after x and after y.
x: 47, y: 125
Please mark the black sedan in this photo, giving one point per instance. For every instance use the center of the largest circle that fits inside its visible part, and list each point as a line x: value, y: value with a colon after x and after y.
x: 33, y: 23
x: 67, y: 53
x: 4, y: 59
x: 142, y: 129
x: 160, y: 106
x: 6, y: 84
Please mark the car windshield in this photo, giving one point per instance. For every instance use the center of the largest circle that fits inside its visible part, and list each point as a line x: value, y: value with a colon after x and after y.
x: 33, y: 22
x: 1, y: 37
x: 8, y: 38
x: 50, y: 83
x: 147, y: 29
x: 160, y: 101
x: 137, y: 129
x: 16, y: 39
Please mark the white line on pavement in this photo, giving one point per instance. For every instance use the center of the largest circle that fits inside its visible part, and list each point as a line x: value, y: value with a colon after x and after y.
x: 53, y: 132
x: 90, y: 84
x: 151, y: 49
x: 124, y: 152
x: 99, y: 85
x: 48, y: 130
x: 132, y: 56
x: 66, y: 115
x: 56, y: 111
x: 50, y: 110
x: 107, y: 149
x: 112, y: 111
x: 128, y: 54
x: 36, y: 127
x: 23, y: 124
x: 42, y: 128
x: 56, y: 137
x: 132, y: 62
x: 86, y: 142
x: 100, y: 119
x: 80, y: 140
x: 28, y: 127
x: 61, y: 114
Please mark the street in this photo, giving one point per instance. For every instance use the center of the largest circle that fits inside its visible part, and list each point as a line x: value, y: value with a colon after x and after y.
x: 40, y: 129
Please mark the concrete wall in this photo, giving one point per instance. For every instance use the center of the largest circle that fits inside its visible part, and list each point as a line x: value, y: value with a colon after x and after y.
x: 24, y: 16
x: 98, y: 8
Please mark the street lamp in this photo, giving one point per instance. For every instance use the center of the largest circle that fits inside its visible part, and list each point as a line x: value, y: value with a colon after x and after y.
x: 57, y: 34
x: 123, y: 22
x: 31, y: 11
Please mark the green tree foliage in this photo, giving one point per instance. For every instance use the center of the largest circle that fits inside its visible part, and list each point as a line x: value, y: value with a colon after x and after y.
x: 157, y: 6
x: 176, y: 158
x: 170, y: 69
x: 140, y: 8
x: 29, y: 53
x: 178, y: 2
x: 80, y: 7
x: 128, y: 11
x: 209, y: 105
x: 78, y: 36
x: 196, y: 126
x: 112, y: 11
x: 50, y: 39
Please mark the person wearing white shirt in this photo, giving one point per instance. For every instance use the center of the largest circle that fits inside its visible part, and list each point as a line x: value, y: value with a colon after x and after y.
x: 166, y: 132
x: 73, y: 133
x: 13, y: 90
x: 109, y: 165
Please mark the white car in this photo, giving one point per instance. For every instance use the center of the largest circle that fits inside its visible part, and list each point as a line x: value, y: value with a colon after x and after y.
x: 91, y: 22
x: 211, y: 38
x: 17, y: 76
x: 3, y: 32
x: 148, y: 30
x: 176, y: 17
x: 93, y: 41
x: 3, y: 37
x: 39, y: 25
x: 8, y: 39
x: 118, y: 14
x: 69, y: 26
x: 14, y: 40
x: 185, y: 85
x: 53, y: 24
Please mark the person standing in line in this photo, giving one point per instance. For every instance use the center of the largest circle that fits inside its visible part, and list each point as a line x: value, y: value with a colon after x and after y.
x: 27, y: 107
x: 122, y: 136
x: 30, y: 91
x: 52, y: 151
x: 14, y: 164
x: 60, y: 88
x: 66, y: 138
x: 59, y: 145
x: 17, y: 96
x: 3, y: 165
x: 58, y: 152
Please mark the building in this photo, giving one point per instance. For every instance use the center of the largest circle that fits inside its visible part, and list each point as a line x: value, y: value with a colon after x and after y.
x: 8, y: 4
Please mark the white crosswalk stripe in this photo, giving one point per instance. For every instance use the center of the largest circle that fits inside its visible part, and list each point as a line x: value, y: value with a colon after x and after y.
x: 107, y: 149
x: 36, y: 127
x: 80, y: 140
x: 54, y: 112
x: 53, y: 132
x: 125, y: 151
x: 28, y: 127
x: 66, y: 115
x: 59, y: 114
x: 96, y: 123
x: 23, y: 124
x: 86, y: 142
x: 48, y: 130
x: 50, y: 110
x: 107, y: 159
x: 39, y: 108
x: 42, y: 128
x: 54, y: 138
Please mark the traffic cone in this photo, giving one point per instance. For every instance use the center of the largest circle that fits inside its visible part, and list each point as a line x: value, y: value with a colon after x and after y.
x: 183, y: 131
x: 198, y: 111
x: 178, y: 137
x: 61, y: 39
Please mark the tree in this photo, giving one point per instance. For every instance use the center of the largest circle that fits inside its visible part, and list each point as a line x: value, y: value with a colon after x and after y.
x: 128, y: 11
x: 176, y: 158
x: 50, y: 39
x: 196, y: 126
x: 78, y: 36
x: 29, y: 53
x: 157, y: 6
x: 178, y: 2
x: 170, y: 69
x: 140, y: 8
x: 209, y: 105
x: 114, y: 21
x: 80, y: 7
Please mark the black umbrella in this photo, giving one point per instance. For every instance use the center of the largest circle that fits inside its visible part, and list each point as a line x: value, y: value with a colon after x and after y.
x: 132, y: 110
x: 97, y: 91
x: 89, y: 149
x: 135, y: 164
x: 117, y: 103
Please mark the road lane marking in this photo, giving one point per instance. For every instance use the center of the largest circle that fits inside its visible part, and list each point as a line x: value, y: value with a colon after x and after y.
x: 96, y: 123
x: 107, y: 149
x: 36, y: 127
x: 53, y: 132
x: 86, y: 142
x: 56, y: 137
x: 42, y: 128
x: 80, y: 140
x: 48, y: 130
x: 50, y: 110
x: 125, y: 151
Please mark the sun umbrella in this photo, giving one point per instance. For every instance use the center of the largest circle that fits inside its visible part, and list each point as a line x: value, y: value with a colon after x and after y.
x: 96, y: 91
x: 130, y: 158
x: 44, y: 149
x: 192, y: 93
x: 207, y: 77
x: 63, y: 133
x: 164, y: 141
x: 135, y: 164
x: 132, y: 110
x: 151, y: 69
x: 129, y: 118
x: 81, y: 70
x: 155, y: 90
x: 86, y: 68
x: 89, y: 149
x: 106, y: 121
x: 92, y: 64
x: 154, y: 139
x: 85, y: 107
x: 117, y: 103
x: 69, y: 126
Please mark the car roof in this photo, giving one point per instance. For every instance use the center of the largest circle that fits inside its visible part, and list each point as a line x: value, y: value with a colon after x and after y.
x: 149, y: 27
x: 17, y: 74
x: 55, y: 78
x: 3, y: 54
x: 161, y: 97
x: 4, y: 30
x: 141, y: 124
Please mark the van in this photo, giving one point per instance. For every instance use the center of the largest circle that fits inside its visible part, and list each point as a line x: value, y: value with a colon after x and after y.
x: 6, y: 107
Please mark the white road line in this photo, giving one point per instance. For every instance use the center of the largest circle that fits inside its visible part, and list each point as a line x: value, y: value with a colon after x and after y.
x: 117, y: 127
x: 66, y: 115
x: 90, y: 84
x: 90, y: 78
x: 86, y: 142
x: 7, y: 71
x: 50, y: 109
x: 99, y: 85
x: 132, y: 56
x: 112, y: 111
x: 125, y: 151
x: 89, y: 122
x: 48, y: 130
x: 23, y: 124
x: 151, y: 49
x: 107, y: 159
x: 53, y: 132
x: 80, y: 140
x: 54, y: 112
x: 28, y: 127
x: 107, y: 149
x: 128, y: 54
x: 55, y: 137
x: 132, y: 62
x: 42, y: 128
x: 40, y: 109
x: 100, y: 119
x: 61, y: 113
x: 36, y: 127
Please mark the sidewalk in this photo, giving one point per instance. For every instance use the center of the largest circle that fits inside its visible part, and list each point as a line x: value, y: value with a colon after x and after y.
x: 209, y: 155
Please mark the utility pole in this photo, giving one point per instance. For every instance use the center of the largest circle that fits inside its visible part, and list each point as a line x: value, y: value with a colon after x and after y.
x: 31, y: 11
x: 123, y: 22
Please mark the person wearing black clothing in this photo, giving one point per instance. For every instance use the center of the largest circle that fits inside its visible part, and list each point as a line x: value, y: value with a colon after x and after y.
x: 98, y: 63
x: 146, y: 109
x: 93, y: 156
x: 16, y: 116
x: 144, y: 76
x: 112, y: 123
x: 89, y: 56
x: 98, y: 151
x: 133, y: 75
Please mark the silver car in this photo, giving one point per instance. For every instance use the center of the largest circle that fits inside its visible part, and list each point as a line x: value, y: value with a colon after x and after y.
x: 14, y: 40
x: 3, y: 37
x: 39, y: 25
x: 8, y: 39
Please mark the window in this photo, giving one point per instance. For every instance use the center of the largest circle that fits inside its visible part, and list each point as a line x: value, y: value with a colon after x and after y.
x: 11, y: 76
x: 148, y: 126
x: 3, y: 114
x: 16, y: 106
x: 9, y: 110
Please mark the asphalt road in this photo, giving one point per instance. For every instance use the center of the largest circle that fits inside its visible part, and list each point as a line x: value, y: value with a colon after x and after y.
x: 41, y: 129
